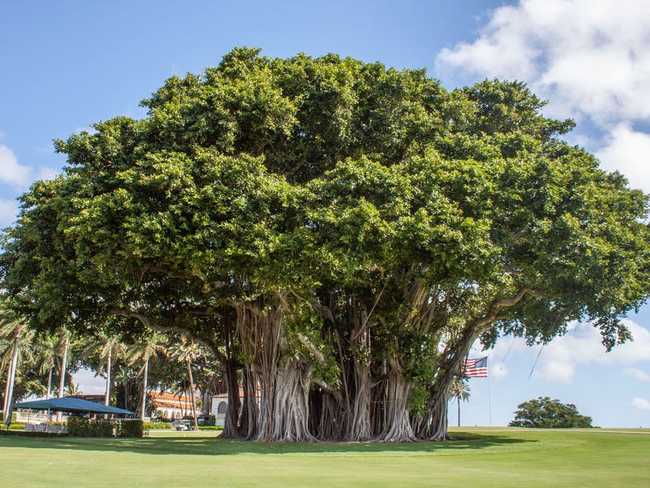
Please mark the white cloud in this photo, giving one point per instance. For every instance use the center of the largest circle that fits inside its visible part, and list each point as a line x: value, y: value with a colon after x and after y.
x: 589, y: 59
x: 628, y: 151
x: 8, y: 211
x: 498, y: 370
x: 641, y: 403
x: 10, y: 170
x: 19, y: 175
x: 638, y: 374
x: 558, y: 371
x: 560, y: 359
x: 582, y: 346
x: 45, y: 173
x: 88, y: 383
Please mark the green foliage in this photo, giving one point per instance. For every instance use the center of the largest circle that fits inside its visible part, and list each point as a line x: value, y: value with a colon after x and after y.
x: 460, y: 389
x: 156, y: 425
x: 390, y: 220
x: 130, y: 428
x: 543, y: 412
x: 84, y: 427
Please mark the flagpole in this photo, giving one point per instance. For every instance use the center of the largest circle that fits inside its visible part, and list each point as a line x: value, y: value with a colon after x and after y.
x: 489, y: 400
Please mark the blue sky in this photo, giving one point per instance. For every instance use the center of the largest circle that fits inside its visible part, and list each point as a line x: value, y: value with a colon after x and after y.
x: 65, y: 65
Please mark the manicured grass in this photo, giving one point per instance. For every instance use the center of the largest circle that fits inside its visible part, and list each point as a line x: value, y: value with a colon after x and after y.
x: 478, y: 458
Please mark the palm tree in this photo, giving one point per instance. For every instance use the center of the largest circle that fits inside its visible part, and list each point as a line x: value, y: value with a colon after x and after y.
x: 143, y: 352
x: 13, y: 331
x: 73, y: 389
x: 459, y: 390
x: 187, y: 351
x: 124, y: 375
x: 47, y: 348
x: 63, y: 348
x: 108, y: 349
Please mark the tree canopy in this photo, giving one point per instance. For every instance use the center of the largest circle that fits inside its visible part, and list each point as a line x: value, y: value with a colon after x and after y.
x: 337, y: 232
x: 544, y: 412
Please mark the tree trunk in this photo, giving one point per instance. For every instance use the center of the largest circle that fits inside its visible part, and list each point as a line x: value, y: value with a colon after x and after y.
x: 7, y: 385
x: 250, y: 411
x: 144, y: 389
x: 438, y: 426
x: 205, y: 405
x: 458, y: 401
x: 6, y: 393
x: 11, y: 380
x: 191, y: 379
x: 291, y: 404
x: 230, y: 427
x: 331, y: 421
x: 107, y: 397
x: 260, y: 331
x: 49, y: 382
x: 64, y: 361
x: 397, y: 422
x: 360, y: 422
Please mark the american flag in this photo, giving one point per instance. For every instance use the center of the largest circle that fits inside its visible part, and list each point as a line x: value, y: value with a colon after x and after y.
x: 476, y: 368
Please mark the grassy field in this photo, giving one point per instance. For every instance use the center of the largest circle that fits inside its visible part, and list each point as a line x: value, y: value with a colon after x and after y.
x: 478, y: 458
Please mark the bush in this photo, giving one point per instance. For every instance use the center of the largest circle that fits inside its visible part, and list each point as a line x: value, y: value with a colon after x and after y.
x: 130, y: 428
x: 207, y: 420
x: 83, y: 427
x: 543, y: 412
x: 210, y: 427
x: 157, y: 425
x: 16, y: 426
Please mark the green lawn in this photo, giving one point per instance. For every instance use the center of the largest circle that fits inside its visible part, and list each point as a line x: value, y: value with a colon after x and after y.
x: 478, y: 458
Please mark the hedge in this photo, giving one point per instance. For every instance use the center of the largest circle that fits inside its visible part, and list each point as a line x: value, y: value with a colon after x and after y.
x: 83, y: 427
x: 157, y: 425
x: 130, y: 428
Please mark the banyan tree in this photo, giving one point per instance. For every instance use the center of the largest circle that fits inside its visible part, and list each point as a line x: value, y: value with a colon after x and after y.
x: 337, y: 232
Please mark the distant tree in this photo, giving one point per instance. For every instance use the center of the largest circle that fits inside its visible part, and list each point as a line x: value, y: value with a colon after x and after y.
x: 187, y: 351
x: 47, y: 347
x: 459, y: 390
x: 144, y: 352
x: 545, y: 412
x: 107, y: 349
x: 72, y: 389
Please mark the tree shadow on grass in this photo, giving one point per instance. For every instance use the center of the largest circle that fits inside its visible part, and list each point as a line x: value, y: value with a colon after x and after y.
x: 216, y: 447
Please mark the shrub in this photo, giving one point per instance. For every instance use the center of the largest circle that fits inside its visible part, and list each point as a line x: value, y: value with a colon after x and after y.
x: 543, y: 412
x: 16, y: 426
x: 208, y: 420
x: 210, y: 427
x: 83, y: 427
x: 130, y: 428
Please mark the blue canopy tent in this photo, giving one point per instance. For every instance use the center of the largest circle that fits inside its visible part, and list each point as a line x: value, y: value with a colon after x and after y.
x: 73, y: 405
